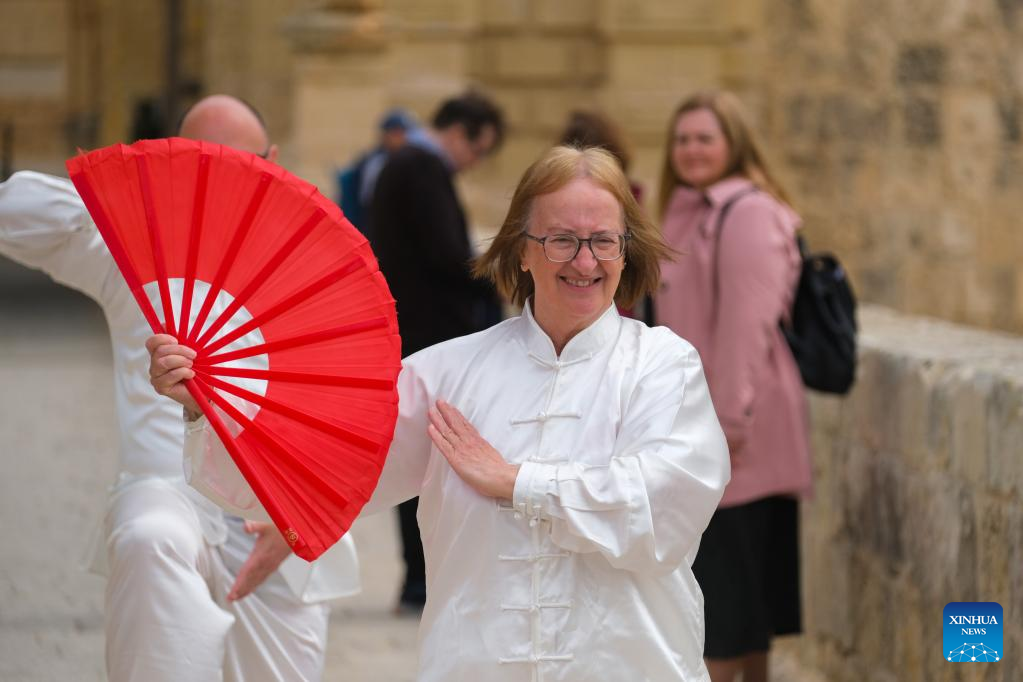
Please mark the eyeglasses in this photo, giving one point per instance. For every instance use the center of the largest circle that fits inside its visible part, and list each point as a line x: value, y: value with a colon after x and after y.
x: 561, y: 248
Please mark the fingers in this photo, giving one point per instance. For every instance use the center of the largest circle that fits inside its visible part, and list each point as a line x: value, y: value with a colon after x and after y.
x: 157, y: 340
x: 158, y: 366
x: 170, y: 363
x: 439, y: 423
x: 245, y: 582
x: 455, y: 419
x: 166, y: 382
x: 453, y: 423
x: 440, y: 441
x: 267, y: 554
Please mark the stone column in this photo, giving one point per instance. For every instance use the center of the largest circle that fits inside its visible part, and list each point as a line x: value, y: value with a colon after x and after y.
x: 340, y: 73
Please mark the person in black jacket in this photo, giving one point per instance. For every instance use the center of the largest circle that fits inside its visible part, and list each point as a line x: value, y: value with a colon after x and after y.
x: 420, y: 237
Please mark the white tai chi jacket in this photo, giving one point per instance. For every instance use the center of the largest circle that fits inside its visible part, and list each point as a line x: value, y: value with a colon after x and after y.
x: 585, y: 575
x: 44, y: 225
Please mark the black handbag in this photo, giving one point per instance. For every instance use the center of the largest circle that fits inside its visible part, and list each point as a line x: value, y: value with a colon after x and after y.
x: 821, y: 330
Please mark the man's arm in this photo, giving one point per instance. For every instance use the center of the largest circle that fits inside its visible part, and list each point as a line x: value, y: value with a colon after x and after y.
x: 44, y: 225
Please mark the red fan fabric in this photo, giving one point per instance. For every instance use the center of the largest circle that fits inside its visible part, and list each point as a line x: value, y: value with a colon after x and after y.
x: 293, y: 323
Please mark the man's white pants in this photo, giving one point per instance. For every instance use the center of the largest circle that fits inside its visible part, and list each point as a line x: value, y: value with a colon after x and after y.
x: 167, y: 616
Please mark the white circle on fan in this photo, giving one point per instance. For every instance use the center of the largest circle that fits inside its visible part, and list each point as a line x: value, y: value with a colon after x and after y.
x: 241, y: 316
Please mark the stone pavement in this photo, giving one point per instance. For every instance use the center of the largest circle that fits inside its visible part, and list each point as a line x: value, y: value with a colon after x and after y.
x: 58, y: 453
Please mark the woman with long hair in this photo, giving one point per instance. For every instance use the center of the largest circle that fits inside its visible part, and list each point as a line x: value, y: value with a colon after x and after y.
x: 724, y: 210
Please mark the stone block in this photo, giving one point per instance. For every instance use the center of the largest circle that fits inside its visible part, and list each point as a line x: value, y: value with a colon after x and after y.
x: 914, y: 395
x: 970, y: 426
x: 875, y: 416
x: 933, y: 530
x: 544, y: 60
x: 910, y: 645
x: 997, y: 524
x: 828, y: 581
x: 566, y: 14
x: 921, y: 121
x: 1005, y: 437
x: 658, y: 15
x: 33, y: 29
x: 971, y: 121
x: 872, y: 614
x: 1010, y: 119
x: 433, y: 15
x: 505, y: 14
x: 921, y: 64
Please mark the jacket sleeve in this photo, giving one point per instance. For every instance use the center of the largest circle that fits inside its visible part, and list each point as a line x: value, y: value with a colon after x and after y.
x: 405, y: 466
x: 44, y: 225
x: 756, y: 269
x: 210, y: 470
x: 647, y: 508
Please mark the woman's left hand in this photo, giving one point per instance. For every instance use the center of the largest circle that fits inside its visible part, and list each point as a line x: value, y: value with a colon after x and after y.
x: 472, y: 457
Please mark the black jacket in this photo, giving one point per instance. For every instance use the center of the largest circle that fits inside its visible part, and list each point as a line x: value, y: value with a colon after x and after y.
x: 420, y: 237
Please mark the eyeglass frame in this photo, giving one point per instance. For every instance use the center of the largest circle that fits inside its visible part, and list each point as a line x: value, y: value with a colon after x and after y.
x: 542, y: 241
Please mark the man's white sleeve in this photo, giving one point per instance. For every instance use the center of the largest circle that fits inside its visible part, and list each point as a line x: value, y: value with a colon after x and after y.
x: 44, y: 225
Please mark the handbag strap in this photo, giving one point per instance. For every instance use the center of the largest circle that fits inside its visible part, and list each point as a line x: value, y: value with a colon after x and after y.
x: 722, y: 214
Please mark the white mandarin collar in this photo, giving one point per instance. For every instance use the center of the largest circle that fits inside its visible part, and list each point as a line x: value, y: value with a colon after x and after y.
x: 582, y: 346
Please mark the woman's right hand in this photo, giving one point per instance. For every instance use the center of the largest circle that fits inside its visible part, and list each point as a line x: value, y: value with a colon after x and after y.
x: 170, y: 365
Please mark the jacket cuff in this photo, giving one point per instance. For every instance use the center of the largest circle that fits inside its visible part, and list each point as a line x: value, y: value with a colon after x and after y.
x: 194, y: 425
x: 534, y: 488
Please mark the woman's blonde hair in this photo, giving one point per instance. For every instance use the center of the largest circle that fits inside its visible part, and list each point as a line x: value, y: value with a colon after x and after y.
x: 744, y: 155
x: 644, y: 249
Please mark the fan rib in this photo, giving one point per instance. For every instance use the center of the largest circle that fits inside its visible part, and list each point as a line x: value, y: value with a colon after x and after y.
x: 280, y: 408
x: 297, y: 377
x: 156, y: 242
x: 131, y: 277
x: 260, y: 278
x: 194, y: 234
x: 271, y: 503
x: 284, y: 453
x: 297, y: 341
x: 347, y: 268
x: 230, y: 254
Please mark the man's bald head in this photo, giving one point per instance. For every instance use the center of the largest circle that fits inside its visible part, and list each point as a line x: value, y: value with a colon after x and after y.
x: 229, y: 121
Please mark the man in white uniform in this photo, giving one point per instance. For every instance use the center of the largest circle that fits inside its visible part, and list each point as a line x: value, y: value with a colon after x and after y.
x: 192, y: 594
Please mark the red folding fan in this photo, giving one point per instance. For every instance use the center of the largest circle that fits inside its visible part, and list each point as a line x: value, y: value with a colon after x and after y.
x: 294, y: 326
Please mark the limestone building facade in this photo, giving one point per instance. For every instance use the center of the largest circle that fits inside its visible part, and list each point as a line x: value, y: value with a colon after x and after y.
x: 897, y: 126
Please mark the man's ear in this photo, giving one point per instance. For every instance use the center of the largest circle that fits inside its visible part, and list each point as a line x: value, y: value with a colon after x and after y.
x: 271, y: 154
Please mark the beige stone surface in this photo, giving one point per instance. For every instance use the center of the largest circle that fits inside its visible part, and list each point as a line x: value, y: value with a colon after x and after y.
x: 917, y: 500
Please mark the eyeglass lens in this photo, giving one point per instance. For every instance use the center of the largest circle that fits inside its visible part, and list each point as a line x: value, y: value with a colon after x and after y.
x: 564, y: 247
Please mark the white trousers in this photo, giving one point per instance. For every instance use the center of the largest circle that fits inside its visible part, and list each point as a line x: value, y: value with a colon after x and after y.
x: 167, y: 616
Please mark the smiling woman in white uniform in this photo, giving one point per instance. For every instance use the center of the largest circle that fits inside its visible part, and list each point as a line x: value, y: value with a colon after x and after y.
x: 567, y: 460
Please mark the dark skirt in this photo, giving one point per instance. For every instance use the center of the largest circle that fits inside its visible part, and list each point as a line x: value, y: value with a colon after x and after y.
x: 748, y: 569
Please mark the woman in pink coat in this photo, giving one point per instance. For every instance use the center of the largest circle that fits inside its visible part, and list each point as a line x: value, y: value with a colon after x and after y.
x: 726, y: 294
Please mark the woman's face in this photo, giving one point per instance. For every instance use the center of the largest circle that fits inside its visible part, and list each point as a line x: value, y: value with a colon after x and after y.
x: 570, y: 296
x: 699, y: 151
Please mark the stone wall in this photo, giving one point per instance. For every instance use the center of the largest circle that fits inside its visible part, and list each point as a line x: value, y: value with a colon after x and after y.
x: 898, y: 124
x: 919, y: 483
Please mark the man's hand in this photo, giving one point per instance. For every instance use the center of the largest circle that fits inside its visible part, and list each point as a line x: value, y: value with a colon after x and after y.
x: 472, y: 457
x: 170, y: 365
x: 267, y: 554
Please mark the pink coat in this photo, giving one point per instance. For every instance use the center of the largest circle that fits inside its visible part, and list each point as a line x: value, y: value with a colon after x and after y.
x: 754, y: 381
